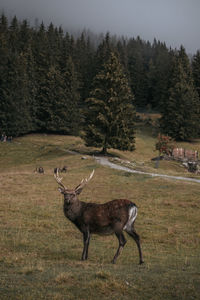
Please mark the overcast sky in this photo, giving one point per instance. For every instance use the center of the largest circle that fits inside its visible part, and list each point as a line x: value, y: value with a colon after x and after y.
x: 174, y: 21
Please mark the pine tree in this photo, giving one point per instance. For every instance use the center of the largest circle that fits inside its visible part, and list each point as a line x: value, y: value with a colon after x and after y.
x: 102, y: 53
x: 14, y: 34
x: 185, y: 62
x: 110, y: 119
x: 72, y: 118
x: 138, y: 78
x: 53, y: 44
x: 159, y: 75
x: 42, y: 65
x: 58, y: 109
x: 14, y: 94
x: 52, y: 99
x: 32, y: 88
x: 3, y: 25
x: 180, y: 118
x: 137, y: 72
x: 24, y: 36
x: 196, y: 71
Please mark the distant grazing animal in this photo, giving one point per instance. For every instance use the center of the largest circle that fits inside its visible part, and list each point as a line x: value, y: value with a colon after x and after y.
x: 39, y: 170
x: 62, y: 170
x: 111, y: 217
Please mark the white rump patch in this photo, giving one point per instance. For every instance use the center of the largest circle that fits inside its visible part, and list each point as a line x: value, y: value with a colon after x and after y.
x: 131, y: 218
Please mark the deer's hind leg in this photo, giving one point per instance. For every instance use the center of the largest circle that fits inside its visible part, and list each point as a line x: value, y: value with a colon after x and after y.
x: 131, y: 231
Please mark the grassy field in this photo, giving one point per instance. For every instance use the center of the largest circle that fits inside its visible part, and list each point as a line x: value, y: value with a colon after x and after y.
x: 40, y: 249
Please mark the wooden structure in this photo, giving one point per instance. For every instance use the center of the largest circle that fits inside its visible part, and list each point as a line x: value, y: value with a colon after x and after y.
x: 184, y: 154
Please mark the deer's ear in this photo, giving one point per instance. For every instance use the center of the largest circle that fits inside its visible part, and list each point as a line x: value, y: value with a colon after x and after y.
x: 78, y: 190
x: 61, y: 190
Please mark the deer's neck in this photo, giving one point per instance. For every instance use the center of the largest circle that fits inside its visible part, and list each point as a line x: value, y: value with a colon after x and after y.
x: 73, y: 210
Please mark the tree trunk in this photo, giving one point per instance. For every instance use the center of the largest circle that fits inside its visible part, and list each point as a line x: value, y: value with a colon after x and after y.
x: 158, y: 161
x: 104, y: 150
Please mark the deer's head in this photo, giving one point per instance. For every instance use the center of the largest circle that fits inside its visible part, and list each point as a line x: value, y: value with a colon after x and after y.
x: 70, y: 196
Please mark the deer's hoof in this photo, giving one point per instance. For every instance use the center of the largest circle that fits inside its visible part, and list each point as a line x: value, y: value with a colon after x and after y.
x: 113, y: 261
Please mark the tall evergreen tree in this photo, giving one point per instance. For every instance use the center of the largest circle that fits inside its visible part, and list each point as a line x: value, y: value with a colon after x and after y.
x: 137, y: 72
x: 110, y: 119
x: 180, y: 118
x: 59, y: 109
x: 185, y: 62
x: 83, y: 62
x: 14, y: 94
x: 25, y: 36
x: 196, y: 71
x: 159, y: 76
x: 138, y: 79
x: 32, y: 88
x: 42, y: 65
x: 14, y: 34
x: 102, y: 53
x: 3, y: 25
x: 72, y: 96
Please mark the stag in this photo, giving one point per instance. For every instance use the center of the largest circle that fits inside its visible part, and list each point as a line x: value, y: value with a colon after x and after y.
x: 112, y: 217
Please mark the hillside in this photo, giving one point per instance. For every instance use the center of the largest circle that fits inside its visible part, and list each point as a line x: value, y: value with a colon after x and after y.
x: 40, y: 249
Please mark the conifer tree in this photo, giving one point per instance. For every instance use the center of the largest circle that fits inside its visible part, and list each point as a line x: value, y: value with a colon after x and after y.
x: 53, y: 44
x: 159, y: 75
x: 137, y: 73
x: 24, y: 36
x: 180, y: 117
x: 110, y: 119
x: 58, y: 110
x: 71, y: 83
x: 196, y: 71
x: 138, y: 79
x: 3, y: 25
x: 102, y: 53
x: 32, y: 87
x: 185, y: 62
x: 51, y: 100
x: 14, y: 94
x: 14, y: 34
x: 42, y: 65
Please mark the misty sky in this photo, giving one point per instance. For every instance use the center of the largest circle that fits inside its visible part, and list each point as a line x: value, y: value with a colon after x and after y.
x: 174, y: 21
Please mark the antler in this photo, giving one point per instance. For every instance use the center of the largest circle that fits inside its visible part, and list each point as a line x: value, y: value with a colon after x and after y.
x: 84, y: 181
x: 59, y: 179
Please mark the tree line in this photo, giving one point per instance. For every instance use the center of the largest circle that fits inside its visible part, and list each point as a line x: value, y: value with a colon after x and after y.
x: 54, y: 82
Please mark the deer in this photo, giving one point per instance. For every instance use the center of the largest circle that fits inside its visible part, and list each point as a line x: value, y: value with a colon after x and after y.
x: 39, y: 170
x: 111, y: 217
x: 62, y: 170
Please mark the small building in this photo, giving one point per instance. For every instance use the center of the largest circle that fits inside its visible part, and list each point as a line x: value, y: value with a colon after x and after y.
x: 182, y: 154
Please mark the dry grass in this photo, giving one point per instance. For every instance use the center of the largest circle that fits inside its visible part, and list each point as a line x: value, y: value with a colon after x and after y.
x: 40, y: 250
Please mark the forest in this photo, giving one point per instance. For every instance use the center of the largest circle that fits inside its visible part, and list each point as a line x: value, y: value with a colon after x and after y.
x: 52, y: 81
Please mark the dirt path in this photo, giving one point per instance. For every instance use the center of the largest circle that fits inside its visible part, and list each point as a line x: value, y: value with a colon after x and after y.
x: 105, y: 162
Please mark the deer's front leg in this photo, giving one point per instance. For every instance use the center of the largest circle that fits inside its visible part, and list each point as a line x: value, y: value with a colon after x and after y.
x: 86, y: 241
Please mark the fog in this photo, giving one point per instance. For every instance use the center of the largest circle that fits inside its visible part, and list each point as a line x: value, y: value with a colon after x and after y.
x: 175, y: 22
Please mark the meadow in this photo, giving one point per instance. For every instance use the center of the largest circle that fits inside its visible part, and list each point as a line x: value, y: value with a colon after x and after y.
x: 40, y: 249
